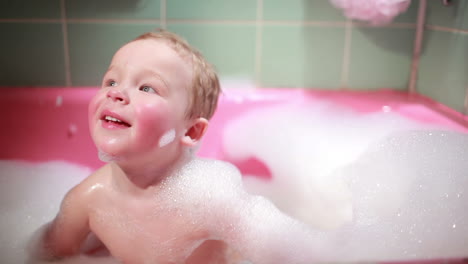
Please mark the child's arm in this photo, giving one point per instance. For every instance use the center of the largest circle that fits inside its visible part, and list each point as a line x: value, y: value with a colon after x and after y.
x: 64, y: 235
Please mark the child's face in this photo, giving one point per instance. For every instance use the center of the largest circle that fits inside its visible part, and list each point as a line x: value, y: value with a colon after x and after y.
x: 146, y: 89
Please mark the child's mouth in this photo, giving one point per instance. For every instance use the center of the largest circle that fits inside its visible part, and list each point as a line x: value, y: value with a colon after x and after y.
x: 114, y: 121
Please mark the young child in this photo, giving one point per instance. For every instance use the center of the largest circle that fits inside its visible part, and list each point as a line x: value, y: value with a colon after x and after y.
x: 154, y: 202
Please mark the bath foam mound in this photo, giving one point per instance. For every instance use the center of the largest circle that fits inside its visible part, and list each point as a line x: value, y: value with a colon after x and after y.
x: 381, y: 187
x: 308, y: 141
x: 31, y: 195
x: 410, y: 192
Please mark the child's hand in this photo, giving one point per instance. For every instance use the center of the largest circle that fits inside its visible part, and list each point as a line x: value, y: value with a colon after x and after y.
x: 39, y: 253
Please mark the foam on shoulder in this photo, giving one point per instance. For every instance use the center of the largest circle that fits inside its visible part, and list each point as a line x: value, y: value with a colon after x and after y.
x: 250, y: 224
x: 201, y: 179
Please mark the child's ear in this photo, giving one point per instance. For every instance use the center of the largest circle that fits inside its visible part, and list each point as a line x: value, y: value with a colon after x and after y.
x: 195, y: 132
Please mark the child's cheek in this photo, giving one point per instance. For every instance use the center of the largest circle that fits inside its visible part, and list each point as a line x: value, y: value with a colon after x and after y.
x: 153, y: 122
x: 92, y: 108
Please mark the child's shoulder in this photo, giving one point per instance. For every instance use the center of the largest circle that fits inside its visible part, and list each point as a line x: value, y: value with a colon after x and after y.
x: 94, y: 181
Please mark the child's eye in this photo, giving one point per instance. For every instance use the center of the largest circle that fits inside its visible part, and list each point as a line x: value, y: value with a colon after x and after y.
x: 112, y: 83
x: 147, y: 89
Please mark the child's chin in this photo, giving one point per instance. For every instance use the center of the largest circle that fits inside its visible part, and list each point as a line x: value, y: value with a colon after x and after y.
x: 109, y: 152
x: 106, y: 157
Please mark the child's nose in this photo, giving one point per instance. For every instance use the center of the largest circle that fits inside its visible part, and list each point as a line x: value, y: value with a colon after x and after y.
x: 117, y: 95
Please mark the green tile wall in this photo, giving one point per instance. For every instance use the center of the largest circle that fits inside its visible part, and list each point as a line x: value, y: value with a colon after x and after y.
x: 212, y: 9
x: 454, y: 16
x: 93, y: 45
x: 276, y: 43
x: 113, y: 9
x: 27, y: 9
x: 444, y: 62
x: 300, y: 10
x: 27, y: 57
x: 219, y: 43
x: 388, y: 53
x: 444, y: 68
x: 301, y: 56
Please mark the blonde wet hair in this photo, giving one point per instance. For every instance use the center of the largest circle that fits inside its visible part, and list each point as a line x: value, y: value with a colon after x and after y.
x: 203, y: 97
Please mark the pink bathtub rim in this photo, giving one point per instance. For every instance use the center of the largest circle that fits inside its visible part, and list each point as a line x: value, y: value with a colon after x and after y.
x: 50, y: 123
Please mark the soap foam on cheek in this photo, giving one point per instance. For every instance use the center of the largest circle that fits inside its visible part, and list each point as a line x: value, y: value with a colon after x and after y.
x: 167, y: 138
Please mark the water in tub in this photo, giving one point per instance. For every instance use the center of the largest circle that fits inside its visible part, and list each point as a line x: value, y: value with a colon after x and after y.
x: 380, y: 189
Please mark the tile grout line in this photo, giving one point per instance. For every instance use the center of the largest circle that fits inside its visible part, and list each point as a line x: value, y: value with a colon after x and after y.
x: 446, y: 29
x: 30, y: 20
x: 164, y: 21
x: 391, y: 25
x: 466, y: 101
x: 258, y: 43
x: 202, y: 22
x: 66, y: 49
x: 417, y: 47
x: 163, y: 14
x: 304, y: 23
x: 346, y: 56
x: 113, y: 21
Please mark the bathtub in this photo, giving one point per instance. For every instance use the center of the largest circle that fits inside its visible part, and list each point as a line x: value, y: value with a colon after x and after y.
x: 43, y: 124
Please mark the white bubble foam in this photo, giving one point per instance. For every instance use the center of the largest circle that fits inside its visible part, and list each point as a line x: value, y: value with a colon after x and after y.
x: 402, y: 210
x: 207, y: 192
x: 30, y: 195
x: 167, y: 138
x: 72, y: 129
x: 235, y: 83
x: 202, y: 179
x: 58, y: 101
x: 211, y: 192
x: 105, y: 157
x: 311, y: 151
